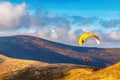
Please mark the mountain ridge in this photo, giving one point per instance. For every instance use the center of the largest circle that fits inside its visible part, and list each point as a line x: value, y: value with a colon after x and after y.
x: 34, y: 48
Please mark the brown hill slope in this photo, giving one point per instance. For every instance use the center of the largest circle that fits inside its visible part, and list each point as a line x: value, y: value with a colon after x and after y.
x: 110, y: 73
x: 10, y: 64
x: 34, y: 48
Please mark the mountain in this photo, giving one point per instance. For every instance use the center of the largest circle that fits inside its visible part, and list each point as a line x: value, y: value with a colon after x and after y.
x: 34, y: 48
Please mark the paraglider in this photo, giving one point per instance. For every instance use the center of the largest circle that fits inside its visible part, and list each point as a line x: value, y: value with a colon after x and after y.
x: 84, y: 38
x: 87, y: 35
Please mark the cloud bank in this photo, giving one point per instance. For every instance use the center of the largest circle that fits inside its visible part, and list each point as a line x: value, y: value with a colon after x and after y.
x: 12, y: 16
x: 15, y: 19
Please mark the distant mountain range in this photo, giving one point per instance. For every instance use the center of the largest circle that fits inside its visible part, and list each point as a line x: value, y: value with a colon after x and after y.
x: 34, y: 48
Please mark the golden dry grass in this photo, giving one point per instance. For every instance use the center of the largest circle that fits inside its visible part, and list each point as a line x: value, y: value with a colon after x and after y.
x: 110, y: 73
x: 11, y: 64
x: 0, y: 77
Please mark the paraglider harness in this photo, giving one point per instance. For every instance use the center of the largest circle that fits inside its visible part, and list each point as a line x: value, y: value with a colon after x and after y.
x: 86, y: 60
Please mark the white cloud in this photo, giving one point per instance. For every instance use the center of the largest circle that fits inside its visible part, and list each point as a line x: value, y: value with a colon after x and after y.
x: 53, y: 35
x: 43, y: 33
x: 10, y: 15
x: 115, y: 35
x: 72, y: 36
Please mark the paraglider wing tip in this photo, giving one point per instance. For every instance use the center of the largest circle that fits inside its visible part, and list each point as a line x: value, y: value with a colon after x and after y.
x: 98, y: 41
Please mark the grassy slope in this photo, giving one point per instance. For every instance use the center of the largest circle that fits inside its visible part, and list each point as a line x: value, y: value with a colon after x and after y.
x: 110, y: 73
x: 47, y: 72
x: 11, y: 64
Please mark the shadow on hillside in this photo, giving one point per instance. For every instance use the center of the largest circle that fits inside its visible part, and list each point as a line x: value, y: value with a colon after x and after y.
x: 97, y: 62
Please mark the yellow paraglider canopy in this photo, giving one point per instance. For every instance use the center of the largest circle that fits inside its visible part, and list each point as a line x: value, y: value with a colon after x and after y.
x: 87, y: 35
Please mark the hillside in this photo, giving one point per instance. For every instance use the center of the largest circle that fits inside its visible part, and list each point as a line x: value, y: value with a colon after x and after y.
x: 109, y: 73
x: 10, y: 64
x: 33, y: 48
x: 47, y: 72
x: 16, y: 69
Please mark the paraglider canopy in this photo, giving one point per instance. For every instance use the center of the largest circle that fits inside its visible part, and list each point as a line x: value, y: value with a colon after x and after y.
x: 87, y: 35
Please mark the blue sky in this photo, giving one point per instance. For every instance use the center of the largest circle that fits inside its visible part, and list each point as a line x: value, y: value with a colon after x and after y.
x: 73, y: 4
x: 71, y: 7
x: 101, y: 8
x: 49, y: 18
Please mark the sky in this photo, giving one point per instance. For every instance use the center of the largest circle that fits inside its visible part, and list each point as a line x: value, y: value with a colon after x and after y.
x: 62, y: 20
